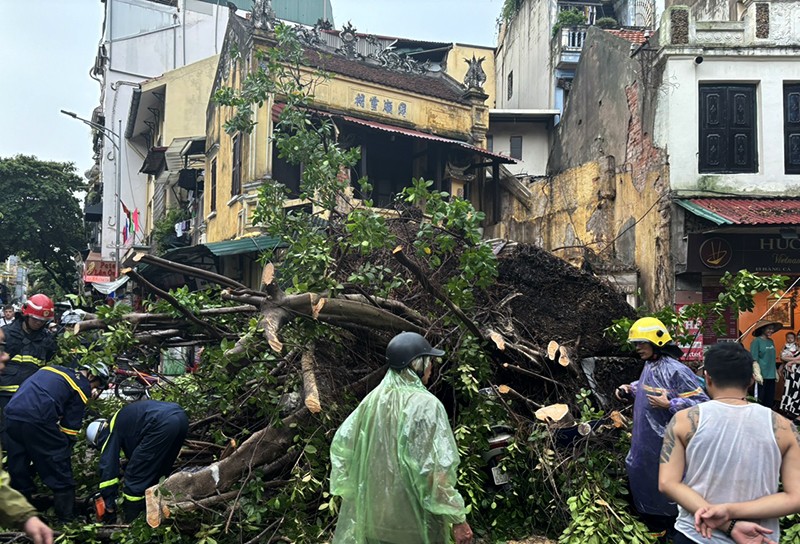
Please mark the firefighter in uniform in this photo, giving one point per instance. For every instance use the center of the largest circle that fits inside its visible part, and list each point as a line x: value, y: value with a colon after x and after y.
x: 15, y: 510
x: 150, y: 434
x: 29, y: 346
x: 43, y: 419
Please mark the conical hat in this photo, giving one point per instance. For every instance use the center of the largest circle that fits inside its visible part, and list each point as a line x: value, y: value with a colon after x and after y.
x: 757, y: 328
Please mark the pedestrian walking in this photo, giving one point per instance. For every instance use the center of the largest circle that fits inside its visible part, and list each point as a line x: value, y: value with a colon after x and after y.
x: 394, y: 459
x: 762, y: 348
x: 150, y: 434
x: 43, y: 420
x: 664, y: 387
x: 722, y: 461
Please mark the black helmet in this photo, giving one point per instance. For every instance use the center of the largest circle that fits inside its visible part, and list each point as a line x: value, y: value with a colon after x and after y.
x: 407, y: 346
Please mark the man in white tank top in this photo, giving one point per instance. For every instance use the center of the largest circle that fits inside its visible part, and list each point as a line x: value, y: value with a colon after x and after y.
x: 721, y: 461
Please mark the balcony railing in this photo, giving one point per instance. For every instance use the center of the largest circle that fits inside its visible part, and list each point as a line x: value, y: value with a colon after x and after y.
x: 572, y: 38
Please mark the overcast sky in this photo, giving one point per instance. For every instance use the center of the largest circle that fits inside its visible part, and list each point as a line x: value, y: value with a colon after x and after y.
x: 48, y: 46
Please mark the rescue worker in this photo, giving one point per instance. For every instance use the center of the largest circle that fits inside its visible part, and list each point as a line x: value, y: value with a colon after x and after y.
x: 150, y: 434
x: 43, y: 420
x: 394, y: 459
x: 15, y: 510
x: 665, y: 387
x: 29, y: 346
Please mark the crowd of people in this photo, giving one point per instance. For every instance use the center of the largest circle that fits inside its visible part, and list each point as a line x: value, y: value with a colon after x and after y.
x: 42, y: 408
x: 705, y: 464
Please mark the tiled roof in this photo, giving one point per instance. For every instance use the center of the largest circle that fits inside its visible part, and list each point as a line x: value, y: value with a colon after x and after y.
x: 435, y: 85
x: 746, y: 211
x: 637, y: 37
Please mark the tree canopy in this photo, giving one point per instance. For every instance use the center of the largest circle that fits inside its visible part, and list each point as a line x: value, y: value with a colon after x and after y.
x: 41, y: 215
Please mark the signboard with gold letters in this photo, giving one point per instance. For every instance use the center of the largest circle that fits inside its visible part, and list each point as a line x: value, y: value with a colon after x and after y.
x: 719, y: 253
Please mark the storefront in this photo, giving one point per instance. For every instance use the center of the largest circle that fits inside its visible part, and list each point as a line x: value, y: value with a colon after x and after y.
x: 732, y: 234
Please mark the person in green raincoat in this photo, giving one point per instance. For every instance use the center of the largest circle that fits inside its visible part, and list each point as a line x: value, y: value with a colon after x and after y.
x: 394, y: 459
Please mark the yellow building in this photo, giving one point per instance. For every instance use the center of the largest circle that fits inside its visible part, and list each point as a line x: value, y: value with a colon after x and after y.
x: 406, y: 121
x: 167, y: 124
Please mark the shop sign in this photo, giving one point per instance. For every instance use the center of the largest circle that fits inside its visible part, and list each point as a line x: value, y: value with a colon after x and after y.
x: 765, y: 253
x: 99, y: 271
x: 692, y: 352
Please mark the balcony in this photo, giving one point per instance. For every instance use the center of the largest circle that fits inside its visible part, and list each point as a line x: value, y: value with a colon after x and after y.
x: 567, y: 45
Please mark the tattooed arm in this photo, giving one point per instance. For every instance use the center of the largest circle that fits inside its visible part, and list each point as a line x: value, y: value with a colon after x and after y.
x: 672, y: 463
x: 770, y: 506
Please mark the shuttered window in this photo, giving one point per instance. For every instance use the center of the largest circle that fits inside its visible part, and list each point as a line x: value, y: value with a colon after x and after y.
x: 516, y: 147
x: 728, y: 129
x: 791, y: 127
x: 213, y: 185
x: 236, y: 169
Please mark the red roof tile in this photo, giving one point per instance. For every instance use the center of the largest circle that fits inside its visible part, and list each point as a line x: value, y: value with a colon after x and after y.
x: 754, y: 211
x: 634, y: 36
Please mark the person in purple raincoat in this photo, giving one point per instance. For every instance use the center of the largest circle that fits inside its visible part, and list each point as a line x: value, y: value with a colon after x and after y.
x: 665, y: 387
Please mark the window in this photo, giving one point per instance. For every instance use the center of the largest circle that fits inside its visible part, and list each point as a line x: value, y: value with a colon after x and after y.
x: 286, y: 173
x: 728, y: 129
x: 791, y: 128
x: 510, y: 85
x: 516, y: 147
x: 236, y: 168
x: 213, y: 185
x: 489, y: 142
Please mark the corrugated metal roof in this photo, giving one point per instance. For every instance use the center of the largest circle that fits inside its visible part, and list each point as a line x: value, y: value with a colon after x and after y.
x: 746, y: 211
x: 277, y: 108
x: 243, y: 245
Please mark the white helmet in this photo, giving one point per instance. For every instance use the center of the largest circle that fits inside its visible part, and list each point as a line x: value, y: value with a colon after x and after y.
x: 93, y: 432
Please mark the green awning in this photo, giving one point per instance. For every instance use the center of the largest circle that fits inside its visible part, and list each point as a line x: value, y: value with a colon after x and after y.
x: 243, y: 245
x: 703, y: 212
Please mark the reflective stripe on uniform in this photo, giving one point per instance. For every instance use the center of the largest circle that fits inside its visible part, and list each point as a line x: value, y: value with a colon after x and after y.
x: 110, y: 430
x: 132, y: 498
x: 71, y: 432
x: 27, y: 359
x: 70, y: 381
x: 109, y: 483
x: 9, y: 388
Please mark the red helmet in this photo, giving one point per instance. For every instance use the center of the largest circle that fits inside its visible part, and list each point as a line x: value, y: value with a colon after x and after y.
x: 39, y: 307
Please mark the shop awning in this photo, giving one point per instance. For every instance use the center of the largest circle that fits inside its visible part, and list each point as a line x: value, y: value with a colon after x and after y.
x: 243, y: 245
x: 769, y: 211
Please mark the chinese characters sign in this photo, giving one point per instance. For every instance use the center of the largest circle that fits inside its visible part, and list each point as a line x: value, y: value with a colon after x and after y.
x: 375, y: 103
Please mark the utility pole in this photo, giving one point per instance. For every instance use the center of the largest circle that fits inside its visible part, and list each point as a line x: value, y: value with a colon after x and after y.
x: 116, y: 141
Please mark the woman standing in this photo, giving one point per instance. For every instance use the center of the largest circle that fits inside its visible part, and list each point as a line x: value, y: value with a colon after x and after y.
x: 762, y: 348
x: 790, y: 402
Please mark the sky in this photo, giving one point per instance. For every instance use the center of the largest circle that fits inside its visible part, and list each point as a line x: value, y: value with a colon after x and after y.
x: 48, y: 47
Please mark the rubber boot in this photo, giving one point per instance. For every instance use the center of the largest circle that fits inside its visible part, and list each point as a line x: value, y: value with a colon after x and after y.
x: 64, y: 505
x: 132, y: 510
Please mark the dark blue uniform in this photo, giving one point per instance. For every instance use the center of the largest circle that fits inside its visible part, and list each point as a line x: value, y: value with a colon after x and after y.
x: 43, y: 420
x: 150, y: 433
x: 28, y: 352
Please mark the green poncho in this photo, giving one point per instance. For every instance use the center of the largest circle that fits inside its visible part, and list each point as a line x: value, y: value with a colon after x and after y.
x: 393, y: 462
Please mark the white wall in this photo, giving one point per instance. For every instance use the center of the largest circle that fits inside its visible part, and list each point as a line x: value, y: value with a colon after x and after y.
x: 535, y: 145
x: 525, y: 51
x: 678, y: 117
x: 167, y: 38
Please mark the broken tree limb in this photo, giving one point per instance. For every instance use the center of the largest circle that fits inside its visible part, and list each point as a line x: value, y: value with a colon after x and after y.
x: 310, y: 391
x: 401, y: 257
x: 188, y: 270
x: 527, y: 372
x: 138, y: 318
x: 212, y: 330
x: 260, y: 448
x: 552, y: 350
x: 556, y: 415
x: 506, y: 390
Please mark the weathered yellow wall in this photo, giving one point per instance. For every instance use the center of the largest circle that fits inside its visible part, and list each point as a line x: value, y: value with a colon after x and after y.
x: 187, y: 93
x: 457, y: 66
x: 589, y: 206
x: 339, y: 94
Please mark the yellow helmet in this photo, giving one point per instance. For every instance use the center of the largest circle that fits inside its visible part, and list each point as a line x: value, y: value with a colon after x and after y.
x: 649, y: 329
